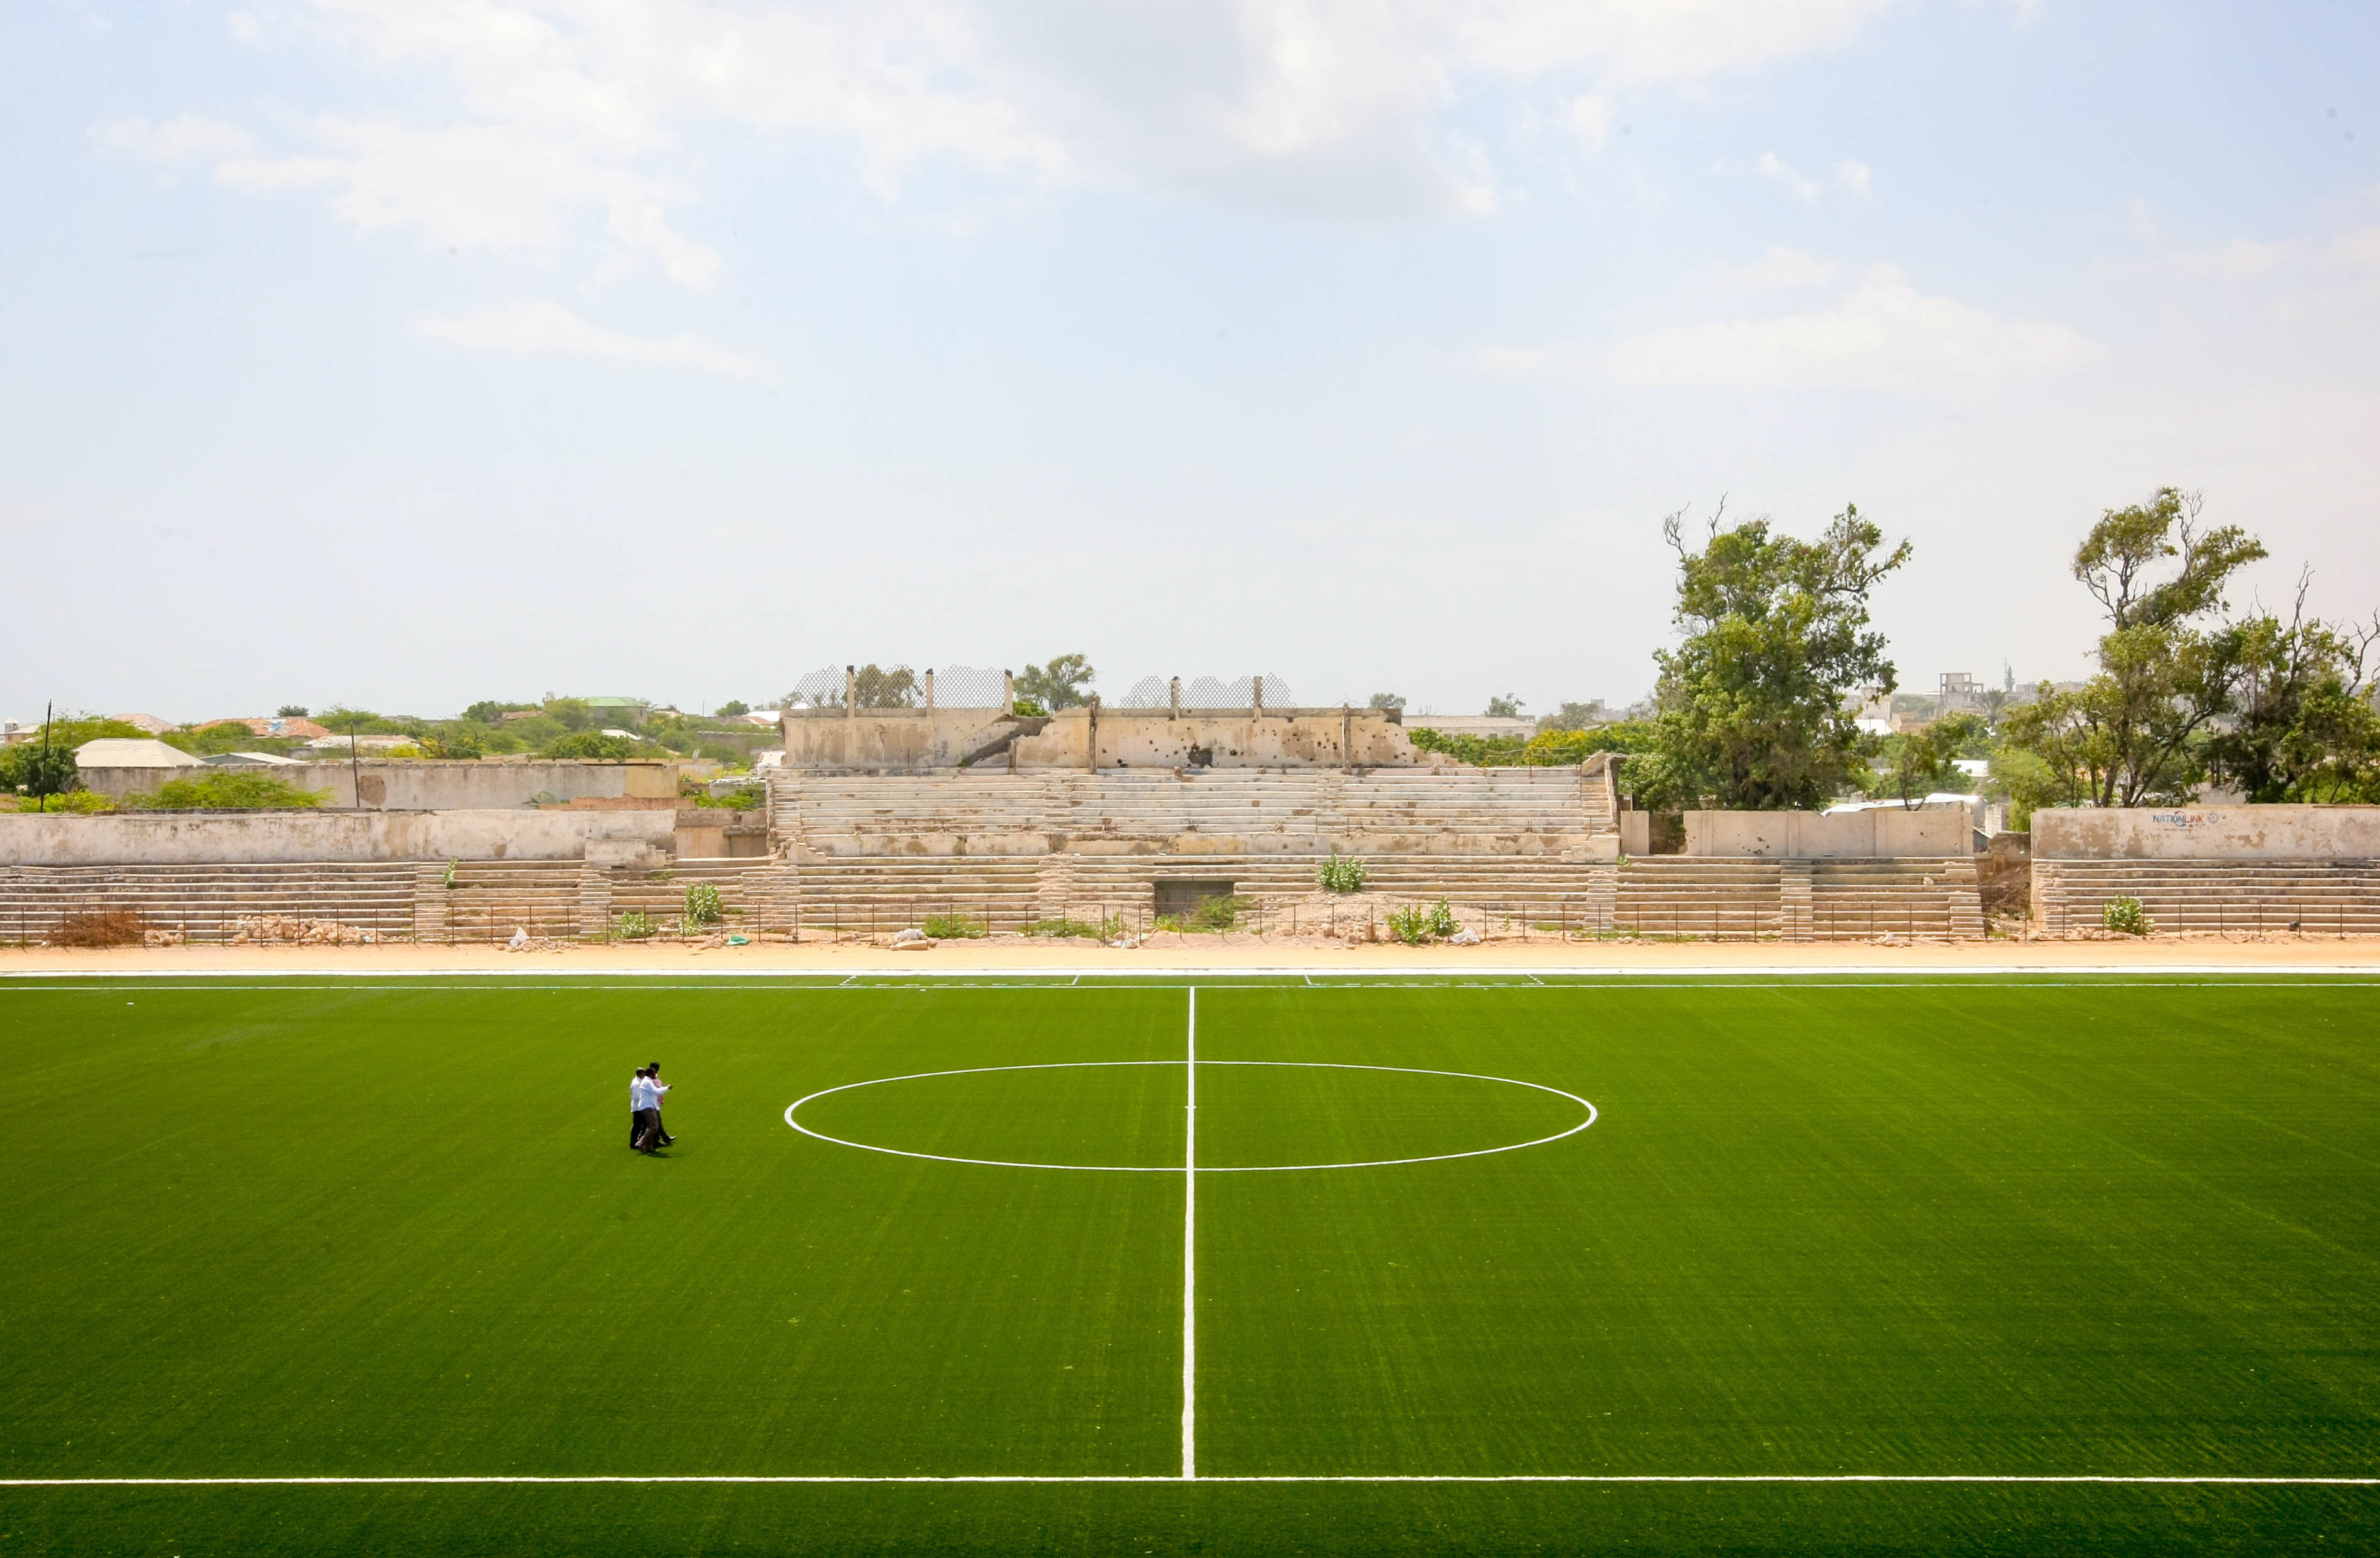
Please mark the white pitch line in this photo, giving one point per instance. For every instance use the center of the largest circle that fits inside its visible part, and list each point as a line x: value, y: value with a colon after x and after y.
x: 1949, y: 1477
x: 1187, y: 1170
x: 1190, y: 1248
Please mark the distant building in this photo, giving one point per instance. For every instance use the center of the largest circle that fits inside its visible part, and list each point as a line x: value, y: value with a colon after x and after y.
x: 147, y: 722
x: 123, y: 751
x: 275, y: 727
x: 1959, y: 691
x: 253, y: 759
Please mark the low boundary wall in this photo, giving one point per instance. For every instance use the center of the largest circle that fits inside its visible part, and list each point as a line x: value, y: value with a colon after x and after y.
x: 1882, y: 834
x: 2208, y: 833
x: 325, y: 837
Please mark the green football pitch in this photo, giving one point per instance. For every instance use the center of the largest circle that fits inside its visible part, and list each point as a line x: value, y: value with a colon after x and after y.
x: 1757, y: 1264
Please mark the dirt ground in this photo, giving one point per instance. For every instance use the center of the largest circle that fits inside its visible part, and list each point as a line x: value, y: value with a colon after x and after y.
x: 1167, y: 952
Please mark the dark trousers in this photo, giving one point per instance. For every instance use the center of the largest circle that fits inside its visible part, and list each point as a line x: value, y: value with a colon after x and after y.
x: 646, y: 1130
x: 661, y: 1131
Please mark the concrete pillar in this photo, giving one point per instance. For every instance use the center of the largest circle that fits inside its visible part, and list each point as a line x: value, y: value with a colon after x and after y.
x: 850, y: 692
x: 1008, y: 695
x: 1091, y: 735
x: 1346, y: 738
x: 1176, y: 704
x: 1258, y: 685
x: 930, y: 692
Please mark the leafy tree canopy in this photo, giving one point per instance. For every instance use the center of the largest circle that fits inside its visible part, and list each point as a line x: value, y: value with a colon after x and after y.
x: 1065, y: 683
x: 1576, y: 717
x: 1507, y: 706
x: 732, y: 708
x: 2303, y: 727
x: 253, y: 792
x: 590, y: 743
x: 2139, y: 732
x: 290, y: 711
x: 1752, y: 708
x: 1386, y: 700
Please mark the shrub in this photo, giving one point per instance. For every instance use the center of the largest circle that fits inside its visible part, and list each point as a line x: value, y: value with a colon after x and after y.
x: 103, y: 927
x: 1418, y: 922
x: 954, y: 927
x: 590, y: 743
x: 636, y: 925
x: 1030, y: 708
x: 1062, y: 926
x: 84, y: 802
x: 239, y: 792
x: 1342, y: 873
x: 702, y: 906
x: 2126, y: 916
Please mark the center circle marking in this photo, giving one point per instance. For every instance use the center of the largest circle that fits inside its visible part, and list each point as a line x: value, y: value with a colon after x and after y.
x: 792, y: 1108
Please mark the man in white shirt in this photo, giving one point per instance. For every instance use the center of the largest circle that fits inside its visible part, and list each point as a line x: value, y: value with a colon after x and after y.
x: 662, y: 1137
x: 644, y: 1113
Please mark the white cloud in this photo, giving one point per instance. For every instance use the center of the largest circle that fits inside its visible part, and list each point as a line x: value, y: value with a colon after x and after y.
x: 176, y: 142
x: 1590, y: 120
x: 544, y: 327
x: 1880, y: 334
x: 1856, y: 179
x: 550, y: 110
x: 1780, y: 270
x: 2358, y: 250
x: 1515, y: 361
x: 1774, y: 168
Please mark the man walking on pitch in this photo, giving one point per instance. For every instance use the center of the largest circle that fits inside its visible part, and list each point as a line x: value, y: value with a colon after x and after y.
x: 661, y: 1131
x: 644, y: 1112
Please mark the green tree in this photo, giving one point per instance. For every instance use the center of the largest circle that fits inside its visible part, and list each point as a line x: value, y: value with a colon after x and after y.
x: 1507, y: 706
x: 571, y: 713
x: 1920, y: 762
x: 2304, y: 728
x: 732, y: 709
x: 1752, y: 709
x: 290, y: 711
x: 1576, y: 717
x: 1065, y: 683
x: 877, y: 687
x: 246, y: 792
x: 45, y: 767
x: 2138, y: 732
x: 590, y: 743
x: 1386, y: 700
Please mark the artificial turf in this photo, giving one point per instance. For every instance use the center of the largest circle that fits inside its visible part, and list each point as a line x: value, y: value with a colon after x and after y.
x: 381, y: 1229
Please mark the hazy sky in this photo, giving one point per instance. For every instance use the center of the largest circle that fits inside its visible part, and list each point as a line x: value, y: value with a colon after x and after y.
x: 409, y: 352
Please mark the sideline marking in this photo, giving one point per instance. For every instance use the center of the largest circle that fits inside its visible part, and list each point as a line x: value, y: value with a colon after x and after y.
x: 1976, y: 1476
x: 1190, y: 1249
x: 1186, y: 1169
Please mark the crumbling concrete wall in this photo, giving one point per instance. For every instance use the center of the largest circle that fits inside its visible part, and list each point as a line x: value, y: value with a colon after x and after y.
x: 201, y: 838
x: 426, y: 785
x: 1301, y: 738
x: 894, y: 740
x: 1876, y: 835
x: 2207, y: 833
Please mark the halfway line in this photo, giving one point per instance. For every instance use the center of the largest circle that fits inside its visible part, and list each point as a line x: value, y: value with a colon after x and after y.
x: 1190, y: 1246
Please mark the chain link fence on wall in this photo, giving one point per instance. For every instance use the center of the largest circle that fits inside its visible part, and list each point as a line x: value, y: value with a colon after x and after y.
x: 1210, y: 693
x: 900, y: 686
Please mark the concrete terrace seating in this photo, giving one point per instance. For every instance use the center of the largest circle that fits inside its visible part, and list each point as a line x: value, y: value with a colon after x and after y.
x: 205, y: 902
x: 1688, y: 896
x: 1858, y: 899
x: 2317, y: 898
x: 1521, y: 810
